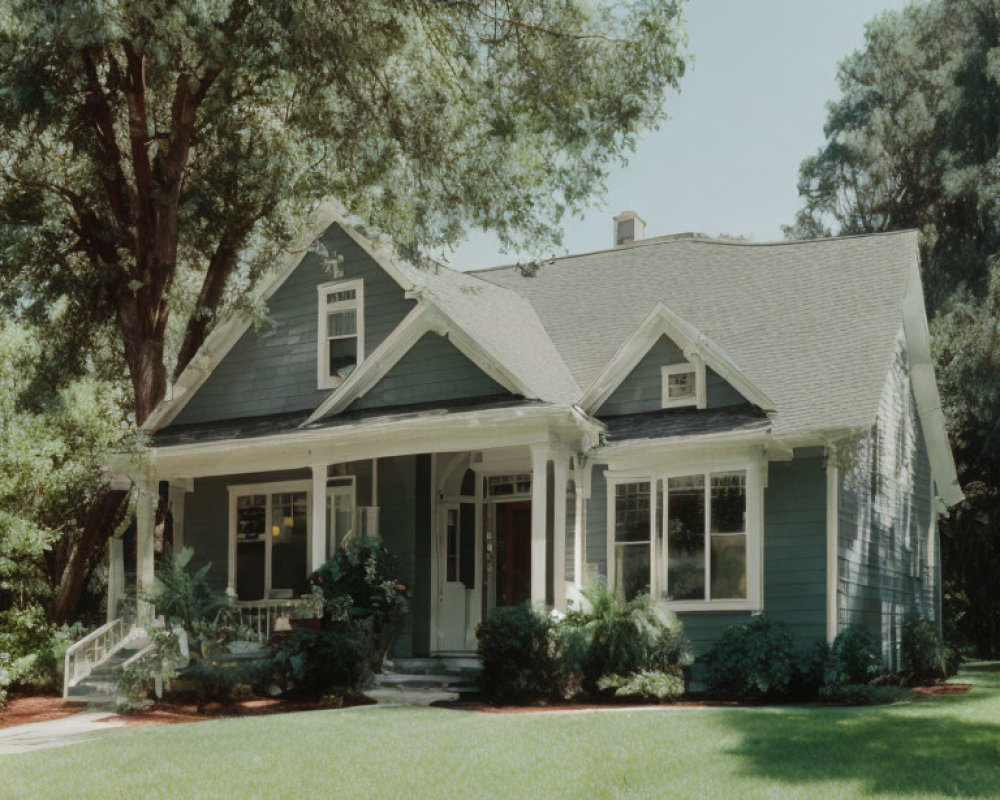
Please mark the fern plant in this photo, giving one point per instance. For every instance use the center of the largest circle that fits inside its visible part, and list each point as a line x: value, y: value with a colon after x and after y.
x: 184, y: 596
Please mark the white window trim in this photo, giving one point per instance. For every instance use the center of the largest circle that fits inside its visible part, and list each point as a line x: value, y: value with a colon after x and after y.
x: 697, y: 366
x: 323, y: 379
x: 348, y: 488
x: 754, y: 600
x: 268, y: 489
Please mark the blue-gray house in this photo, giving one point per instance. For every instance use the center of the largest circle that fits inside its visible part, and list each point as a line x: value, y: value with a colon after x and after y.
x: 736, y: 428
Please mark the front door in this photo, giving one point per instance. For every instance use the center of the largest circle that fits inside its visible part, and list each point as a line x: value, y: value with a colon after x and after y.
x: 455, y: 599
x: 512, y: 565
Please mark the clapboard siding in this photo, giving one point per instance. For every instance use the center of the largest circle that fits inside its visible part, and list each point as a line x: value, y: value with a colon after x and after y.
x: 397, y: 496
x: 885, y: 524
x: 795, y: 547
x: 275, y: 371
x: 433, y: 370
x: 642, y: 389
x: 597, y: 521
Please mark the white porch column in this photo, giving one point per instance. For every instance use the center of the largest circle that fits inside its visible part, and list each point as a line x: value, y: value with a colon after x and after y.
x: 145, y: 521
x: 539, y: 513
x: 560, y: 471
x: 317, y: 535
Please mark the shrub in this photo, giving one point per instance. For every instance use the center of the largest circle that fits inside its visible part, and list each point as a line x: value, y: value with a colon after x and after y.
x: 645, y: 684
x: 32, y: 649
x: 924, y: 655
x: 862, y: 694
x: 519, y: 662
x: 313, y: 662
x: 184, y: 596
x: 853, y: 657
x: 138, y: 680
x: 751, y: 661
x: 224, y: 681
x: 623, y: 637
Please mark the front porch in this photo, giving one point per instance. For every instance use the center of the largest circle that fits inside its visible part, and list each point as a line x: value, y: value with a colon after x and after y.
x: 488, y: 517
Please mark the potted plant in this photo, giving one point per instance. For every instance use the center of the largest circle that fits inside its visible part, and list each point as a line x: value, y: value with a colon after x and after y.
x: 307, y: 611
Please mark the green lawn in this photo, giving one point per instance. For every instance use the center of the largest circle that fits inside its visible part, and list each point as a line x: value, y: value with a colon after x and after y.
x: 939, y: 747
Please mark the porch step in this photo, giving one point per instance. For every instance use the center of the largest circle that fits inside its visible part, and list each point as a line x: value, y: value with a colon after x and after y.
x: 423, y: 677
x: 100, y: 687
x: 463, y: 666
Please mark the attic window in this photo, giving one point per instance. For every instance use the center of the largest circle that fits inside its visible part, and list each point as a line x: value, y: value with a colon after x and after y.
x: 683, y: 385
x: 341, y: 334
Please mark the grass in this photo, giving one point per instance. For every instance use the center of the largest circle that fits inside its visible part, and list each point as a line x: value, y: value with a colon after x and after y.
x: 934, y: 747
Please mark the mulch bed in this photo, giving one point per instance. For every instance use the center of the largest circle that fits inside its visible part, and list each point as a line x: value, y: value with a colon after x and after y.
x: 943, y: 689
x: 41, y: 708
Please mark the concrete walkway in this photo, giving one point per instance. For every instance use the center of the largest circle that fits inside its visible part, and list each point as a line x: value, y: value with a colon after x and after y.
x: 57, y: 732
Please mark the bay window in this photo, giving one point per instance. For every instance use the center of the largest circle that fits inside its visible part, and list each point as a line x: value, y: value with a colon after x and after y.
x: 691, y: 537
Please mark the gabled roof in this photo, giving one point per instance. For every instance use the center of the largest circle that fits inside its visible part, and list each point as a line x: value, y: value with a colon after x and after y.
x: 811, y: 324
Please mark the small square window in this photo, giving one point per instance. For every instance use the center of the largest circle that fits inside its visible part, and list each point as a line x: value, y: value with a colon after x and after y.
x: 680, y: 385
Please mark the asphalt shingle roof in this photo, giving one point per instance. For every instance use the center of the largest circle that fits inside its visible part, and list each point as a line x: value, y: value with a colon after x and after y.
x: 811, y: 323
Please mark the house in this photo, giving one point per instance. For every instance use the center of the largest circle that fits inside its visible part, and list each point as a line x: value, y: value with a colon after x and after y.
x: 738, y: 428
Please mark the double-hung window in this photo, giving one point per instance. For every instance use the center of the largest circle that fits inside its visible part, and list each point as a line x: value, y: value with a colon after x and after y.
x: 683, y: 384
x: 691, y: 537
x: 341, y: 335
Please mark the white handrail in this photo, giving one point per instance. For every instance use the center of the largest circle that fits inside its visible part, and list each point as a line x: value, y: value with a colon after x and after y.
x: 260, y: 615
x: 82, y: 656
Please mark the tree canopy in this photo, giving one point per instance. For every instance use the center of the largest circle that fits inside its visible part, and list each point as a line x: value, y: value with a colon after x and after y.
x: 155, y: 155
x: 914, y: 142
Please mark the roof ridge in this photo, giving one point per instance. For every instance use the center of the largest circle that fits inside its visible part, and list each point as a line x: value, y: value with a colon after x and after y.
x: 691, y: 238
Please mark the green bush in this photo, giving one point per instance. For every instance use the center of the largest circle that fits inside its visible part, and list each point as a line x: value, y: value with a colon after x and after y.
x: 862, y: 694
x: 624, y: 637
x: 518, y: 655
x: 752, y: 661
x: 313, y: 662
x: 925, y: 656
x: 184, y: 596
x: 222, y: 681
x: 645, y: 684
x: 853, y: 657
x: 32, y: 649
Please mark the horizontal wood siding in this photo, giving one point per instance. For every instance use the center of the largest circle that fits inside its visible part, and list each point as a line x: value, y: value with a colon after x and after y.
x: 397, y: 494
x: 433, y: 370
x: 597, y: 521
x: 795, y: 547
x: 642, y: 388
x: 719, y: 393
x: 885, y: 528
x: 275, y: 371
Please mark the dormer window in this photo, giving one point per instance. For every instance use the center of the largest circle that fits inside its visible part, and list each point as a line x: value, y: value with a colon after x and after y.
x: 341, y: 335
x: 683, y: 385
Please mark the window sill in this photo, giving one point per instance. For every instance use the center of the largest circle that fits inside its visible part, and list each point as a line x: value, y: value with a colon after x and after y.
x: 711, y: 605
x: 331, y: 383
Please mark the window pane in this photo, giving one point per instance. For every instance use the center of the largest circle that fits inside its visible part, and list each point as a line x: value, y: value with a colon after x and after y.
x: 341, y: 296
x: 632, y: 569
x: 680, y: 385
x: 251, y: 513
x: 729, y: 567
x: 343, y: 356
x: 342, y: 323
x: 686, y: 538
x: 632, y: 512
x: 250, y: 569
x: 729, y: 502
x: 339, y: 519
x: 289, y: 538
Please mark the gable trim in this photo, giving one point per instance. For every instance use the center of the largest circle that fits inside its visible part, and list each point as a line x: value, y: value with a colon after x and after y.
x: 227, y: 333
x: 422, y: 320
x: 924, y: 382
x: 697, y: 348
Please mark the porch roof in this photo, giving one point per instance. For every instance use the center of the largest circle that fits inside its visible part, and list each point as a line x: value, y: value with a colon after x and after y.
x: 671, y: 423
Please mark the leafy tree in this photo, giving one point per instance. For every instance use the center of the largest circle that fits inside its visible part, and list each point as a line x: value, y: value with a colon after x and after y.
x: 51, y: 485
x: 914, y: 142
x: 155, y: 153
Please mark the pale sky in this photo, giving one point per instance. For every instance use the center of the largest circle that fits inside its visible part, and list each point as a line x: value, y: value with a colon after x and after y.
x: 752, y: 106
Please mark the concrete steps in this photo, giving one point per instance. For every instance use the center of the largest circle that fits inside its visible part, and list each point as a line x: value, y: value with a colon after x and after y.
x: 99, y: 688
x: 422, y: 681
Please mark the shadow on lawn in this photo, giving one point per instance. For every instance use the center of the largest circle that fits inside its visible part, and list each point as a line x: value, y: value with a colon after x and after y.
x: 880, y: 751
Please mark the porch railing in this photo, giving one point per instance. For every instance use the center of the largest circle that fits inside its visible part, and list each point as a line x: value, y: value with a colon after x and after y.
x: 92, y: 649
x: 260, y: 615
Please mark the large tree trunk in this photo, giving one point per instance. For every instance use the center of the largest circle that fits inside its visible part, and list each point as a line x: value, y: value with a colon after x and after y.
x: 97, y: 528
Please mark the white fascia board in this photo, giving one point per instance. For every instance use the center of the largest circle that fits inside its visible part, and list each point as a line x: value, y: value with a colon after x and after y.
x: 674, y: 448
x: 403, y: 435
x: 415, y: 324
x: 224, y: 336
x: 661, y: 321
x: 925, y: 390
